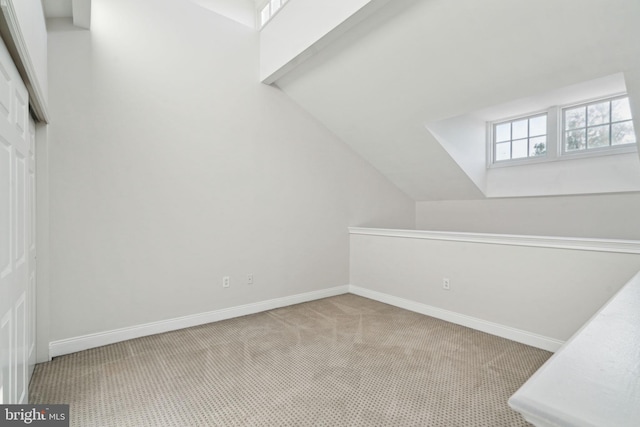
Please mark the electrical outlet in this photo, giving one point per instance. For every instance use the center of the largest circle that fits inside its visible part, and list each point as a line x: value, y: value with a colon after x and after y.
x: 445, y: 284
x: 225, y: 282
x: 249, y: 279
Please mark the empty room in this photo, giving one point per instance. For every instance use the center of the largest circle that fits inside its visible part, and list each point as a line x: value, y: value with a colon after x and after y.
x: 320, y: 213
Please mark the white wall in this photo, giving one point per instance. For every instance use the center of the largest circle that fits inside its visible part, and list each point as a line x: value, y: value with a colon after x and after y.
x: 613, y: 216
x: 171, y: 166
x: 542, y: 291
x: 614, y: 173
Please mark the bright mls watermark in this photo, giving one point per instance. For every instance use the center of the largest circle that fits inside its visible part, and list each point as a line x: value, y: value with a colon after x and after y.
x: 34, y: 415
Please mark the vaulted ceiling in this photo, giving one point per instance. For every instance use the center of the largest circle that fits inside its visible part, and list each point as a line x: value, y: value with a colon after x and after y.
x: 418, y: 61
x: 415, y: 62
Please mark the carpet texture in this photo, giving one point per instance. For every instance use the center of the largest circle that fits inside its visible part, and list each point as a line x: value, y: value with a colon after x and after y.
x: 340, y: 361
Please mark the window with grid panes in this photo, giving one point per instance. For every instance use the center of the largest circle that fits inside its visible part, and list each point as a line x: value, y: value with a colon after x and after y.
x: 520, y: 138
x: 598, y: 125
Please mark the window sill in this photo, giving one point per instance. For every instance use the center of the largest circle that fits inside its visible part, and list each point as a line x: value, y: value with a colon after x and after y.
x: 581, y: 155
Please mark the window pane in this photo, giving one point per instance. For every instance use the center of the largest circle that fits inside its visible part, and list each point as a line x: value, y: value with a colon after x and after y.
x: 598, y: 136
x: 538, y: 146
x: 503, y: 132
x: 519, y: 149
x: 503, y: 151
x: 622, y: 133
x: 519, y: 129
x: 275, y: 5
x: 598, y: 113
x: 575, y: 140
x: 538, y: 126
x: 620, y: 110
x: 574, y: 118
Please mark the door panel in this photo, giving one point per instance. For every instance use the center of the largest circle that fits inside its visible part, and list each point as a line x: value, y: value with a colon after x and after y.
x: 6, y: 357
x: 5, y: 207
x: 22, y: 110
x: 17, y: 235
x: 20, y: 202
x: 5, y: 92
x: 21, y: 349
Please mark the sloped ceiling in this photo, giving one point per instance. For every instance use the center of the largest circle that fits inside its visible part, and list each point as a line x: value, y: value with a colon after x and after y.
x: 241, y: 11
x: 415, y: 62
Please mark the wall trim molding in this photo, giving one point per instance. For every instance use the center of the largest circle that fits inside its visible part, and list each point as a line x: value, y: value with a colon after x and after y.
x: 573, y: 243
x: 85, y: 342
x: 23, y: 62
x: 513, y: 334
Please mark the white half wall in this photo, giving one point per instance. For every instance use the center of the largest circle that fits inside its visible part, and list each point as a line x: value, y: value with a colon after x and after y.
x: 536, y: 295
x: 171, y: 166
x: 607, y: 216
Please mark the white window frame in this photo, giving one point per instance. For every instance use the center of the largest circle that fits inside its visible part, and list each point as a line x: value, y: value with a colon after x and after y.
x: 598, y: 151
x: 491, y: 130
x: 555, y: 137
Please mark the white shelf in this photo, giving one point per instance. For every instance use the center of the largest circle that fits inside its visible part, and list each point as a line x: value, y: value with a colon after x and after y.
x: 594, y: 379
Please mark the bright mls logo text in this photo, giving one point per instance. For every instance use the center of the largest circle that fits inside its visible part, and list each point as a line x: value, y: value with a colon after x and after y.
x: 38, y: 415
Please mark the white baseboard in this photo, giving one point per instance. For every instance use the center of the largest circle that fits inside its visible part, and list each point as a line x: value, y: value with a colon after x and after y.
x: 85, y: 342
x: 513, y: 334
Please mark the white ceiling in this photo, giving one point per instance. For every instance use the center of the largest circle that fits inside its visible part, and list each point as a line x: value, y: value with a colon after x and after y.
x: 420, y: 61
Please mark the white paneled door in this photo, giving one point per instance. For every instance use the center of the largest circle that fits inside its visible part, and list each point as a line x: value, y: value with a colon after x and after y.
x: 17, y: 235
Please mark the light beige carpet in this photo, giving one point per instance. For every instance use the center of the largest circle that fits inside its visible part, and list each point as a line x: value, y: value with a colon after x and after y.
x: 340, y: 361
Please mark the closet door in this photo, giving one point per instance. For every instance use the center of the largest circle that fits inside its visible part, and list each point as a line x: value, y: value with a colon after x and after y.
x: 17, y: 235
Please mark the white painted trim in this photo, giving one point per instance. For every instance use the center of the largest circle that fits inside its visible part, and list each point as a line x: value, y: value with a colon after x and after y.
x: 43, y: 247
x: 365, y: 11
x: 85, y: 342
x: 574, y: 243
x: 513, y: 334
x: 38, y: 99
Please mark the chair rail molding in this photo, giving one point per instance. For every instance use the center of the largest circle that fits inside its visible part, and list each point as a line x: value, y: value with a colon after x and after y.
x: 574, y: 243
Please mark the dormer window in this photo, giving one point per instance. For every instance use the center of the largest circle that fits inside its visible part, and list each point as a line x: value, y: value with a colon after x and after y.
x: 592, y: 128
x: 599, y: 125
